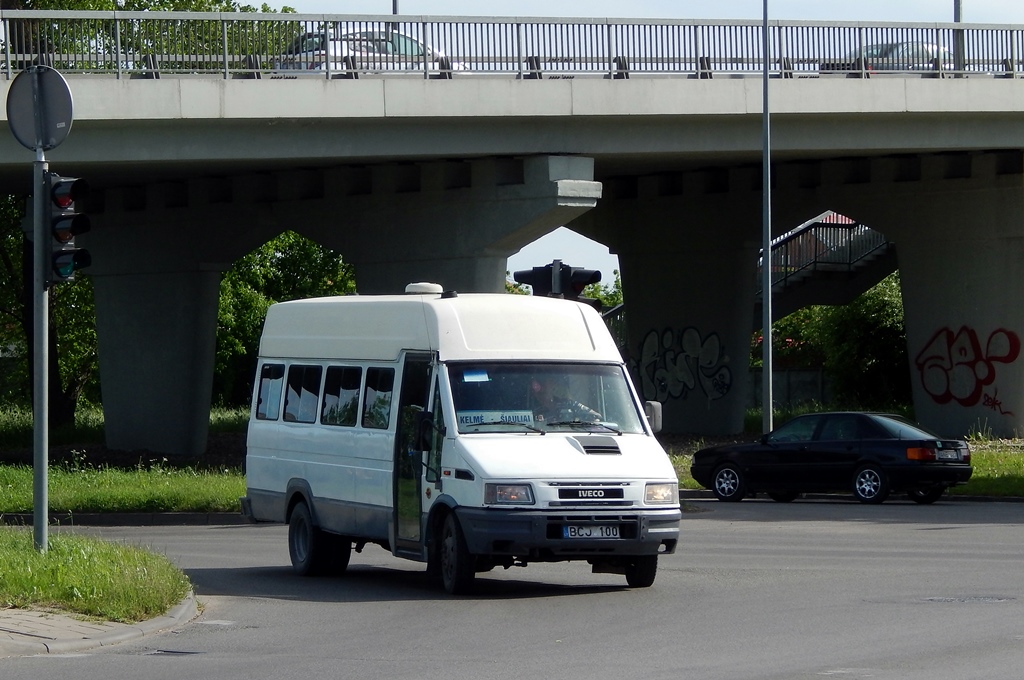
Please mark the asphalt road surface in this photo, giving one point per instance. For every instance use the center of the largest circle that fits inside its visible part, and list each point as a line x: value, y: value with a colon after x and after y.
x: 757, y: 590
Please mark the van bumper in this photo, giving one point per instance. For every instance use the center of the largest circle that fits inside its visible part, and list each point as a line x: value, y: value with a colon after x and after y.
x: 540, y: 536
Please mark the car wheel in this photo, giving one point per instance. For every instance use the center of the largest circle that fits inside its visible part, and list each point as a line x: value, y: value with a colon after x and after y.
x: 728, y: 483
x: 641, y: 571
x: 870, y: 485
x: 456, y: 564
x: 307, y: 545
x: 926, y: 496
x: 783, y: 496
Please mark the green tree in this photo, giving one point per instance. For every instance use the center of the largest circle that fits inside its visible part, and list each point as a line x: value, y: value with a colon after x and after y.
x: 72, y: 362
x: 287, y: 268
x: 865, y: 347
x: 609, y: 295
x: 862, y: 346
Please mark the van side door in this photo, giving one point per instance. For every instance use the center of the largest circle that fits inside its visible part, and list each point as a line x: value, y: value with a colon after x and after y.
x: 408, y: 466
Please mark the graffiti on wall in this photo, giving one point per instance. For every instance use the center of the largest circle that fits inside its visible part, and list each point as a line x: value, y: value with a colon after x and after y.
x: 674, y: 364
x: 955, y: 367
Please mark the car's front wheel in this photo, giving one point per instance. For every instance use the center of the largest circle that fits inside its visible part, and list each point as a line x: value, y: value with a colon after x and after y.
x: 728, y: 483
x: 870, y: 485
x: 926, y: 496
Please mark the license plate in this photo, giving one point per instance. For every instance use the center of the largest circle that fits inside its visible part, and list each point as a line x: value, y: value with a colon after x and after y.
x: 948, y: 455
x: 590, y: 531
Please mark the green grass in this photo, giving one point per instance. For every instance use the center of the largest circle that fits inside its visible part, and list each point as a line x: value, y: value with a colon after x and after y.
x: 100, y: 489
x: 87, y: 576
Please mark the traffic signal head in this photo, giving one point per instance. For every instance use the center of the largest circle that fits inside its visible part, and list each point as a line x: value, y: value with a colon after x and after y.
x: 575, y: 279
x: 538, y: 278
x: 64, y: 222
x: 558, y: 280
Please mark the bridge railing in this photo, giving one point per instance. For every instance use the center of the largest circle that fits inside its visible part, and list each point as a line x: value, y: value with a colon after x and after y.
x: 237, y: 44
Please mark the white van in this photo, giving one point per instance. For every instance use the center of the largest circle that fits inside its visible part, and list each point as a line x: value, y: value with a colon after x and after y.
x: 464, y: 431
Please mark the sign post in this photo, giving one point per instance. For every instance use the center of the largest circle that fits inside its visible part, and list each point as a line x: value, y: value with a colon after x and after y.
x: 39, y: 113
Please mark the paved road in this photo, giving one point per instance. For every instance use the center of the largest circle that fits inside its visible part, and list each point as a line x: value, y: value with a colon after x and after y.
x: 758, y: 590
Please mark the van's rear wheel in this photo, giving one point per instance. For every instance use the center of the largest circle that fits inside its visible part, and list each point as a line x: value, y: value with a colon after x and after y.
x: 308, y: 547
x: 641, y: 571
x: 456, y: 563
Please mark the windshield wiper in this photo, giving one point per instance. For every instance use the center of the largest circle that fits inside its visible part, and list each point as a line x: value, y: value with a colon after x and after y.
x: 506, y: 423
x: 581, y: 423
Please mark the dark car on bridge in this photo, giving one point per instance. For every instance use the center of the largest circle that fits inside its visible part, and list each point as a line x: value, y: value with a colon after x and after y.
x: 896, y: 56
x: 870, y: 454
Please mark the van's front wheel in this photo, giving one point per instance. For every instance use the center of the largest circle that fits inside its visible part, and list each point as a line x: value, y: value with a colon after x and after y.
x: 641, y: 571
x: 456, y: 563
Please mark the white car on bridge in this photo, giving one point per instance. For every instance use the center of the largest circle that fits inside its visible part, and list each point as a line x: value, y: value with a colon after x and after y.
x: 371, y: 51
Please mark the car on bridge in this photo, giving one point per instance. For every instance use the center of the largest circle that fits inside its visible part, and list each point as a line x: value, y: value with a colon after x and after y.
x: 870, y: 454
x: 370, y: 51
x: 892, y: 57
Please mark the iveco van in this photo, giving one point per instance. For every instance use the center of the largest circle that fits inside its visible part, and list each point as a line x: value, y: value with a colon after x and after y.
x: 465, y: 431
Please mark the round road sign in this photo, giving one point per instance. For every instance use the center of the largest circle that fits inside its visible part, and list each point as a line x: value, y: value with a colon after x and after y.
x: 39, y: 108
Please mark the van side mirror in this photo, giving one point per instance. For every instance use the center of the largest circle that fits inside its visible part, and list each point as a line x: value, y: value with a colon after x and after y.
x: 424, y: 430
x: 653, y: 411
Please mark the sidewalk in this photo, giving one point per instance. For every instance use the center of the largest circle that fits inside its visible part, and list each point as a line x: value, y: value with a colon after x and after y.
x: 27, y: 632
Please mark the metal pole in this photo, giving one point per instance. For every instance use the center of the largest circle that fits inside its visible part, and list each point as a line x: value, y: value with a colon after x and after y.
x: 394, y: 6
x: 40, y: 392
x: 767, y: 402
x: 959, y: 63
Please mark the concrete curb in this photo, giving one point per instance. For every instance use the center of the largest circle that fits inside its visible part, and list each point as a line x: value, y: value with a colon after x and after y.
x: 26, y: 632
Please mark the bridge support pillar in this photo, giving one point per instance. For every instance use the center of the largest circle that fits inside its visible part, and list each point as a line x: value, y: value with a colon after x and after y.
x: 454, y: 223
x: 157, y: 334
x: 687, y: 253
x: 959, y: 227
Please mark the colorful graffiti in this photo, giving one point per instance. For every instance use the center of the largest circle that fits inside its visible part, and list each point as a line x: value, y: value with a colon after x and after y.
x: 954, y: 367
x: 675, y: 364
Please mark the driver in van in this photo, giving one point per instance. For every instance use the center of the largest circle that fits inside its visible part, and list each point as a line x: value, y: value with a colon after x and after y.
x: 550, y: 405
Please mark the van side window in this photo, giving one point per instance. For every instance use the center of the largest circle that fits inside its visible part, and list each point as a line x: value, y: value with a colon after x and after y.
x: 268, y: 403
x: 303, y: 393
x: 380, y: 385
x: 341, y: 395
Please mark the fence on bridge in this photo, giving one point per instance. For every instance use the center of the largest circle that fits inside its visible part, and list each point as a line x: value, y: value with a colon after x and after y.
x: 240, y: 44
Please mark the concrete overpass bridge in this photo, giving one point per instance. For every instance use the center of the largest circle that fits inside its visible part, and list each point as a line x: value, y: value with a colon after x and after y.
x: 414, y: 175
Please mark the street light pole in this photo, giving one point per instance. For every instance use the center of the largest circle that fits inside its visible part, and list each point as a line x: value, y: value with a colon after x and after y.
x: 767, y: 402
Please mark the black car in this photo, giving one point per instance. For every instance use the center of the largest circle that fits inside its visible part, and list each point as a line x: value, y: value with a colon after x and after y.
x: 871, y: 454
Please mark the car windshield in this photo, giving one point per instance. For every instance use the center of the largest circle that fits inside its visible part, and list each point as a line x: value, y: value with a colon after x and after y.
x: 539, y: 397
x: 900, y: 428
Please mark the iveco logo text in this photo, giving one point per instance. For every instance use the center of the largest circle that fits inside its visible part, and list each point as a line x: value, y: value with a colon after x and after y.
x: 590, y: 493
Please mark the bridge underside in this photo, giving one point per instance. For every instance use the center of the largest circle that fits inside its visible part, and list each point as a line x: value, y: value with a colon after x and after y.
x: 429, y: 180
x: 687, y: 244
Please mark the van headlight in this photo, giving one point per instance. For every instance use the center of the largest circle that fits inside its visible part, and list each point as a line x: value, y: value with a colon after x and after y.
x: 508, y: 494
x: 662, y: 493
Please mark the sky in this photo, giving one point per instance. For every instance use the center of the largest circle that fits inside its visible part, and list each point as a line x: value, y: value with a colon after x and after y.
x: 576, y: 250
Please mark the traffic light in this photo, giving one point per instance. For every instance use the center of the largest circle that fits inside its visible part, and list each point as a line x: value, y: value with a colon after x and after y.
x: 539, y: 278
x: 63, y: 195
x: 558, y: 280
x: 575, y: 279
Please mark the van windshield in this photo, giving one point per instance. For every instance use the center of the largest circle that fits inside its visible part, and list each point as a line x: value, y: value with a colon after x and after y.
x: 533, y: 396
